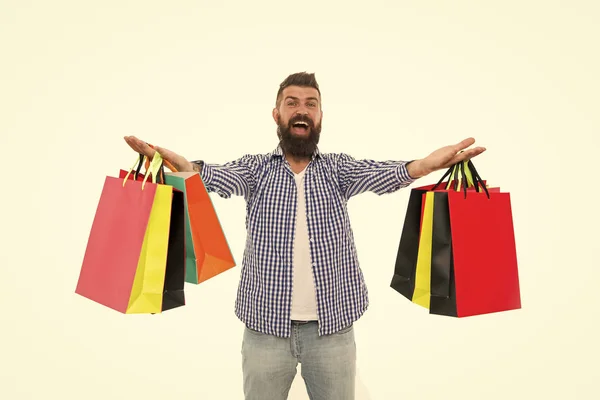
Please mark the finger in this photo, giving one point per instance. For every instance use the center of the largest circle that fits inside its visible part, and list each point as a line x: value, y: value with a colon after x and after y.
x: 169, y: 161
x: 140, y: 146
x: 173, y: 161
x: 166, y: 154
x: 464, y: 144
x: 468, y: 154
x: 132, y: 141
x: 465, y: 155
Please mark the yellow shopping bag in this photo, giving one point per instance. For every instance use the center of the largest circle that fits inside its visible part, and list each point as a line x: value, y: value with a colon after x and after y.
x: 422, y: 292
x: 148, y: 284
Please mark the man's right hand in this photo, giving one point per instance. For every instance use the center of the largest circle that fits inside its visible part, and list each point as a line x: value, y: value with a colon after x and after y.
x: 141, y: 147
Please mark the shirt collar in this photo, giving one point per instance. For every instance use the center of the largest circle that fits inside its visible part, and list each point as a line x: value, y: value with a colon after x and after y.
x: 278, y: 152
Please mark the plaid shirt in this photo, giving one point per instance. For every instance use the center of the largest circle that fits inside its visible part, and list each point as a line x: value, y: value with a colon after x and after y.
x: 267, y: 184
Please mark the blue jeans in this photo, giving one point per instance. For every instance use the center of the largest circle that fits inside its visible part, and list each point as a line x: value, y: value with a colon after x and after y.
x: 328, y: 363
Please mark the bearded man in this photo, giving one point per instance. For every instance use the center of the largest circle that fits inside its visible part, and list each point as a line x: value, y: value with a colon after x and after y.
x: 301, y: 287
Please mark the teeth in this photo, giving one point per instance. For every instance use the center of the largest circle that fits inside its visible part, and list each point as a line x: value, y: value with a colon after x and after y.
x: 301, y: 122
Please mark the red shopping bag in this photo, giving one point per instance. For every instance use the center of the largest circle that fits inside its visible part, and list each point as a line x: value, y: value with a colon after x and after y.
x: 474, y: 268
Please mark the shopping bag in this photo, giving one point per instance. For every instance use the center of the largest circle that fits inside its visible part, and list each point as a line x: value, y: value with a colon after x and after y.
x: 425, y: 270
x: 173, y: 289
x: 173, y: 293
x: 128, y: 265
x: 414, y: 249
x: 474, y: 268
x: 207, y: 251
x: 421, y: 293
x: 422, y: 289
x: 403, y: 280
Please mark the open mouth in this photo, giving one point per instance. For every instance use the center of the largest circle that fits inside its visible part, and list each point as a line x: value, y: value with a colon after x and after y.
x: 300, y: 127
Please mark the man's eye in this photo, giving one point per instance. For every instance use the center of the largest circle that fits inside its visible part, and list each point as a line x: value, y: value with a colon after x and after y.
x: 312, y: 105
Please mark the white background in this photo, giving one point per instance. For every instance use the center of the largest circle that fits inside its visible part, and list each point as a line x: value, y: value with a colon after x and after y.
x: 399, y: 80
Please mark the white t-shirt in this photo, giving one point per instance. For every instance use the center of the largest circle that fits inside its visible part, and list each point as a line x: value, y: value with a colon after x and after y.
x: 304, y: 305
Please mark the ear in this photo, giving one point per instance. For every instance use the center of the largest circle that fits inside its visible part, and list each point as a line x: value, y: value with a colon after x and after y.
x: 275, y: 114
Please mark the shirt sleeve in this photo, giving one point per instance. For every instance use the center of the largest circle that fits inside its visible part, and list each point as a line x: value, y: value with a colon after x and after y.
x: 379, y: 177
x: 234, y: 178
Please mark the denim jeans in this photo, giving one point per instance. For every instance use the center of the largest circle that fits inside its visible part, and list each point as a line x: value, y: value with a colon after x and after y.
x: 328, y: 363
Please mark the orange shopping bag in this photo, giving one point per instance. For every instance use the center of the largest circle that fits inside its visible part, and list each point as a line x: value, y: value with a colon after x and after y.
x: 207, y: 251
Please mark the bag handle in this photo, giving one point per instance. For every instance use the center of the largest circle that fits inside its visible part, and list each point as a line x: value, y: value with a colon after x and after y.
x: 167, y: 163
x: 464, y: 175
x: 473, y: 170
x: 139, y: 162
x: 155, y: 168
x: 139, y: 167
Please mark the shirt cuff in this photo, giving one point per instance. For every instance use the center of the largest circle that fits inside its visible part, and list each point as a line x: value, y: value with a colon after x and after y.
x: 403, y: 174
x: 206, y: 173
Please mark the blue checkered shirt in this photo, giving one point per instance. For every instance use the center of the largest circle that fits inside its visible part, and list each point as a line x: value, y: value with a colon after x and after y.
x: 266, y: 182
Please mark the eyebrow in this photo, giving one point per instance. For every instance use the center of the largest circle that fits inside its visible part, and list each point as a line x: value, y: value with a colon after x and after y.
x: 295, y: 98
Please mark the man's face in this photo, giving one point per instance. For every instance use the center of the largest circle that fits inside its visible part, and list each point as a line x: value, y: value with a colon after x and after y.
x: 298, y: 119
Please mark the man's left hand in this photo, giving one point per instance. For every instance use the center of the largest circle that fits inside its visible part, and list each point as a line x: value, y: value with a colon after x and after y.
x: 444, y: 158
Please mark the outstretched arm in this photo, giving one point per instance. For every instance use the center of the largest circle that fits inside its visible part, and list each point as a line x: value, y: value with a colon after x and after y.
x: 444, y: 158
x: 232, y: 178
x: 381, y: 177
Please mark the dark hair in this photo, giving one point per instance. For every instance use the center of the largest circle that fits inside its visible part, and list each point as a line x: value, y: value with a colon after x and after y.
x: 303, y: 79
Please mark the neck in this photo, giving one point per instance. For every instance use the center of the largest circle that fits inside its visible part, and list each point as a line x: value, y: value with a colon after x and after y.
x: 297, y: 163
x: 297, y: 159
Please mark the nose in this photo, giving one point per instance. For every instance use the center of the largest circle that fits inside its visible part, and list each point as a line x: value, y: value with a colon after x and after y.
x: 302, y: 112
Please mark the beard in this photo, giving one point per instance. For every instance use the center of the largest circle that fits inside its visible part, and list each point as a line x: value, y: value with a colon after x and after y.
x: 298, y: 146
